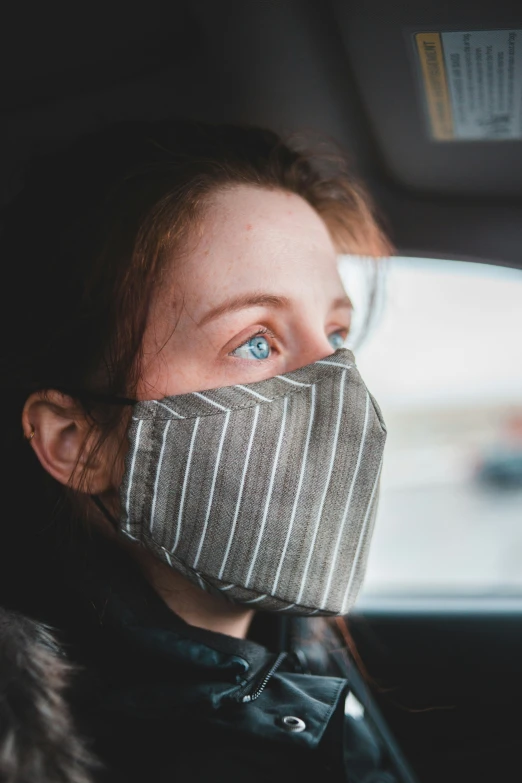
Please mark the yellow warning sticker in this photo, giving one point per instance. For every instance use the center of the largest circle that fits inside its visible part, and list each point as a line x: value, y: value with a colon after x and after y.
x: 472, y: 84
x: 429, y: 47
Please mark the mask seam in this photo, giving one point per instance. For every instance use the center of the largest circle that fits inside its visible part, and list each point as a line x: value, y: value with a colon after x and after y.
x: 377, y: 411
x: 204, y: 576
x: 160, y: 416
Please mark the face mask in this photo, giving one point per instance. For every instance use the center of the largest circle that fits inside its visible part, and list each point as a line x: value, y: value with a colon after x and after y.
x: 265, y: 493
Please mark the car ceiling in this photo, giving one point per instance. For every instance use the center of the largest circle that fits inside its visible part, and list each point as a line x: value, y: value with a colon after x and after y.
x: 341, y: 70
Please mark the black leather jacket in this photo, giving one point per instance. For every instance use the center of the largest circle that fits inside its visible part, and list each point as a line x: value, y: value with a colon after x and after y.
x: 165, y: 701
x: 159, y: 700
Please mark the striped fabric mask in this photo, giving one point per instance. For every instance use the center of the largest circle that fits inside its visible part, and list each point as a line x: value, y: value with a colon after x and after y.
x: 264, y: 493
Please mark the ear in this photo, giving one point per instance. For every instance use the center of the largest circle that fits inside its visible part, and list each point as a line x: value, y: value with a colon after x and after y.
x: 62, y: 438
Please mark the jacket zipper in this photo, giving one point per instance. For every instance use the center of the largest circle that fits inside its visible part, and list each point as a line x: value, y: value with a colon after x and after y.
x: 256, y: 693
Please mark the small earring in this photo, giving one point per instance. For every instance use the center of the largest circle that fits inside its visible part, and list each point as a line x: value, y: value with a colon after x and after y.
x: 31, y: 435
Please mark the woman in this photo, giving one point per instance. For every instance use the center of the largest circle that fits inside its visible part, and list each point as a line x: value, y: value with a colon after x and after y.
x: 202, y: 461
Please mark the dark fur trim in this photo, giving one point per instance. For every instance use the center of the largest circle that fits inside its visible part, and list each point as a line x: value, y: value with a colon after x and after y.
x: 38, y: 743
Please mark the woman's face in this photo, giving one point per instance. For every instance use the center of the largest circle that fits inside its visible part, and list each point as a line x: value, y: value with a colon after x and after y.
x: 258, y: 295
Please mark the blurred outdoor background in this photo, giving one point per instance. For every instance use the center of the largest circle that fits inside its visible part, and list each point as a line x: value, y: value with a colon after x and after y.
x: 444, y: 361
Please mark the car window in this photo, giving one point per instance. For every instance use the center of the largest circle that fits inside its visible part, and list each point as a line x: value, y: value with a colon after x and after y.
x: 444, y: 361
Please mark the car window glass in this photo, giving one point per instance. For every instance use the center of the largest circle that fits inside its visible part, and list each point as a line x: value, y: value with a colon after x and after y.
x: 444, y: 361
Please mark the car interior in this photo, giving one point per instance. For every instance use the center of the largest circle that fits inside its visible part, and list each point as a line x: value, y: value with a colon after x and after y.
x: 396, y: 85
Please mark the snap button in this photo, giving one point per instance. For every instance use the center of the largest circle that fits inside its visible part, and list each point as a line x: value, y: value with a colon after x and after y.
x: 291, y: 723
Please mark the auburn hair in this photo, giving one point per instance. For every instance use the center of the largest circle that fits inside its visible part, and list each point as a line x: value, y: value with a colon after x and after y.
x: 83, y: 247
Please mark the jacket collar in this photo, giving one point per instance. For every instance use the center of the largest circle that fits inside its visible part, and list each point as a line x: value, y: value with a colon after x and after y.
x: 150, y: 664
x: 126, y: 615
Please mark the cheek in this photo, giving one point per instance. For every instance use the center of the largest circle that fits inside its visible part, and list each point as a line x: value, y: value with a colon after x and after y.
x: 178, y: 359
x: 172, y: 372
x: 161, y: 360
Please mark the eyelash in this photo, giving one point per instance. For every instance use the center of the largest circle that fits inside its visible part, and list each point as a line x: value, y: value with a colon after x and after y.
x: 261, y: 331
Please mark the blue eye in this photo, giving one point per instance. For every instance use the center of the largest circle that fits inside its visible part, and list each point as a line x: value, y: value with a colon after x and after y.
x: 257, y: 347
x: 336, y: 340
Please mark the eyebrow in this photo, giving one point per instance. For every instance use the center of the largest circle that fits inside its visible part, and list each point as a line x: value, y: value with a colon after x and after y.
x: 274, y: 301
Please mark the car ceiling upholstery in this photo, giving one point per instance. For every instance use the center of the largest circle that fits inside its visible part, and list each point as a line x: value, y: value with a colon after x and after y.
x: 339, y: 69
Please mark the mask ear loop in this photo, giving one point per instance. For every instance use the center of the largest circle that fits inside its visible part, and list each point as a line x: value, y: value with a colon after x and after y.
x: 109, y: 399
x: 105, y: 511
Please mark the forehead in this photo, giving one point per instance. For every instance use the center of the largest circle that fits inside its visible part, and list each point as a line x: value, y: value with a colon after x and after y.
x: 241, y: 213
x: 257, y: 237
x: 251, y: 241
